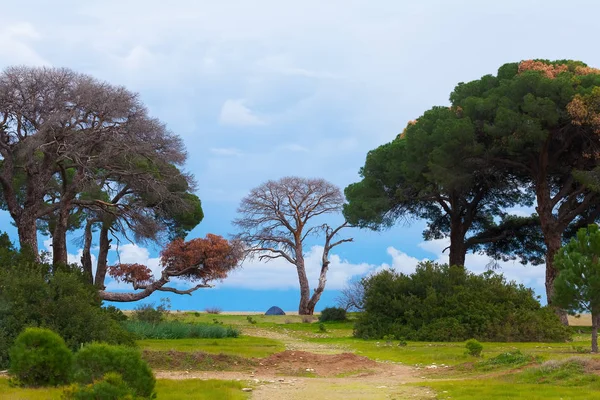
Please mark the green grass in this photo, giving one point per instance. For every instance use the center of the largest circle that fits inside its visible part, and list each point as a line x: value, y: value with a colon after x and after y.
x: 450, y: 353
x: 179, y: 330
x: 566, y: 379
x: 243, y: 346
x: 478, y: 389
x: 166, y: 389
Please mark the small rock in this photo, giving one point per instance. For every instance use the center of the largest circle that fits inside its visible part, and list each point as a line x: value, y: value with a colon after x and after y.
x: 281, y: 380
x: 256, y: 380
x: 246, y: 389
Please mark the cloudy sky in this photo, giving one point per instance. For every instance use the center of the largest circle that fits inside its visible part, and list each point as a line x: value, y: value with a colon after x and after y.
x: 263, y: 89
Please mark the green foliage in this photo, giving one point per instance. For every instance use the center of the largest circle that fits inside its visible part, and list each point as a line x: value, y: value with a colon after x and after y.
x: 322, y: 327
x: 178, y: 330
x: 442, y: 303
x: 110, y: 387
x: 512, y: 359
x: 332, y: 314
x: 33, y: 294
x: 115, y: 313
x: 251, y: 320
x: 40, y: 357
x: 94, y: 360
x: 577, y: 287
x: 473, y: 347
x: 150, y: 314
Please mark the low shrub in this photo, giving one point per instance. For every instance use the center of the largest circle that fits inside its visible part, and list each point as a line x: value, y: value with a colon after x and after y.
x: 332, y: 314
x: 115, y: 313
x: 442, y: 303
x: 512, y: 359
x: 250, y: 319
x: 322, y: 327
x: 150, y: 314
x: 179, y: 330
x: 570, y: 372
x: 40, y: 357
x: 213, y: 310
x: 95, y: 360
x: 110, y: 387
x: 473, y: 347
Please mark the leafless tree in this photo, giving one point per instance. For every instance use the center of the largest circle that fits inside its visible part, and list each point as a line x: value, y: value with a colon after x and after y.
x: 278, y: 216
x: 352, y: 296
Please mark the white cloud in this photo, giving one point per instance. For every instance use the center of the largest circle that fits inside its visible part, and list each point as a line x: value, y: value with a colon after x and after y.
x: 279, y: 274
x: 16, y: 47
x: 226, y: 151
x: 235, y: 112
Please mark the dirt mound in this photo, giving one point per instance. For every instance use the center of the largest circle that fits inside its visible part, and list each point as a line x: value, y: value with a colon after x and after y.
x: 306, y: 364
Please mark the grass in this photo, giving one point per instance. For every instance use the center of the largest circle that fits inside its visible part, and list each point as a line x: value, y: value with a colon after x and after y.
x: 179, y: 330
x: 243, y: 346
x: 566, y: 379
x: 166, y: 390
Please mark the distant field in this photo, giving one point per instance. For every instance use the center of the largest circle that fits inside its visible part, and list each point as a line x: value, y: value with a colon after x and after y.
x: 582, y: 320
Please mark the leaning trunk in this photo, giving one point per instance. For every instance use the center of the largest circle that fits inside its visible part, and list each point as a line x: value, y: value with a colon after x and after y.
x: 27, y: 230
x: 303, y: 308
x: 102, y: 256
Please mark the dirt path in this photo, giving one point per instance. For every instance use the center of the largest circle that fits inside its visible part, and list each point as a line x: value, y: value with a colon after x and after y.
x: 317, y: 371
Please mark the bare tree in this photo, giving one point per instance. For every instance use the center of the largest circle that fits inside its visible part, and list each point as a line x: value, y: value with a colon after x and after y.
x: 352, y: 296
x: 278, y: 216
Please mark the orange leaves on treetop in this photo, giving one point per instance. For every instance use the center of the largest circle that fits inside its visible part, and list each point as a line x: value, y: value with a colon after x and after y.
x: 585, y: 110
x: 550, y: 70
x: 207, y: 259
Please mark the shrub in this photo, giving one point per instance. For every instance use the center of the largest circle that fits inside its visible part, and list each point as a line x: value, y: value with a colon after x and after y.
x: 95, y: 360
x: 148, y: 313
x: 322, y: 327
x: 213, y: 310
x: 115, y: 313
x: 179, y: 330
x: 33, y: 294
x: 250, y: 319
x: 110, y: 387
x: 40, y: 357
x: 332, y: 314
x: 473, y: 347
x: 511, y: 359
x: 442, y: 303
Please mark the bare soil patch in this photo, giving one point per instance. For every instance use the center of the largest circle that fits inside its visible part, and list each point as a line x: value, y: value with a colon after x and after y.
x: 325, y: 365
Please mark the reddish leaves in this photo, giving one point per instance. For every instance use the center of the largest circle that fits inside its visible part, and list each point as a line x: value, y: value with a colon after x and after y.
x: 131, y: 273
x: 550, y: 70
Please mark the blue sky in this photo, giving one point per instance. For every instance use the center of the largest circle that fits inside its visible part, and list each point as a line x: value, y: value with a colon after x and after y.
x: 263, y: 89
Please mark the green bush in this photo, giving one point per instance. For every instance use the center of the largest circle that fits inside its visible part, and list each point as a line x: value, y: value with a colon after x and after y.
x: 40, y: 357
x: 110, y: 387
x: 473, y: 347
x: 95, y: 360
x: 442, y: 303
x: 148, y: 313
x: 512, y: 359
x: 332, y: 314
x: 179, y: 330
x: 33, y: 294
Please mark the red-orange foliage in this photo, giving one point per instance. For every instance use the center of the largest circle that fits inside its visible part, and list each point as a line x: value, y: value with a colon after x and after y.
x: 205, y: 259
x: 208, y: 259
x: 131, y: 273
x: 585, y: 110
x: 550, y: 70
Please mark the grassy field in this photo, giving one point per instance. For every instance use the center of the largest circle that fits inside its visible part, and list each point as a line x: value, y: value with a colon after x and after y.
x: 243, y: 346
x: 166, y: 390
x: 537, y: 370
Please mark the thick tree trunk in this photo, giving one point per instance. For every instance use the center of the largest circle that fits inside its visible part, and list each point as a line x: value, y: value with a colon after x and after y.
x: 86, y: 256
x: 553, y: 243
x: 102, y: 257
x: 59, y: 237
x: 303, y: 308
x: 458, y: 249
x: 27, y: 230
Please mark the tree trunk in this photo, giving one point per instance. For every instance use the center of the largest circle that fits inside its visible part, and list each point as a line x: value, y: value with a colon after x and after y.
x: 27, y: 229
x: 553, y: 243
x: 59, y: 236
x: 303, y: 308
x: 86, y: 255
x: 595, y: 322
x: 102, y: 257
x: 458, y: 249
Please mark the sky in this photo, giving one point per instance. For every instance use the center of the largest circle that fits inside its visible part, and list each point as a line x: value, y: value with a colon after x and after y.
x: 265, y: 89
